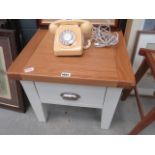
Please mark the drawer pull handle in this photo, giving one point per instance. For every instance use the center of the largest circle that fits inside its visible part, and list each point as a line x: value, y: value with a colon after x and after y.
x: 70, y: 96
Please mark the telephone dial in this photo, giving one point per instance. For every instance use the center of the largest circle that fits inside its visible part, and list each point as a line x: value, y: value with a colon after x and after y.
x: 71, y: 36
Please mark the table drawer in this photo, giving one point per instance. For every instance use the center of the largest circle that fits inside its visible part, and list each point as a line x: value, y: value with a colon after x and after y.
x: 69, y: 94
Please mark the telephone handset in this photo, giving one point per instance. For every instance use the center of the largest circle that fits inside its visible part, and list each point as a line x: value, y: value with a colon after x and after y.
x: 70, y: 36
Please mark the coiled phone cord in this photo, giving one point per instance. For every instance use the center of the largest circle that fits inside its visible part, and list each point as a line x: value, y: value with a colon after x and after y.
x: 102, y: 36
x: 88, y: 44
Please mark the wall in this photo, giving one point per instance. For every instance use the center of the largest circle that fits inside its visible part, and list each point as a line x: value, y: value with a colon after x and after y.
x: 27, y: 28
x: 133, y: 25
x: 149, y: 24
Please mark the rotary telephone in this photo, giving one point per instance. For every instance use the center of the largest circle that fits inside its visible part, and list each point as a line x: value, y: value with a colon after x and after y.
x: 71, y: 36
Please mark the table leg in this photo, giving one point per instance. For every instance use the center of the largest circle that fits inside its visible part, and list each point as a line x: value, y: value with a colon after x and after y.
x: 38, y: 107
x: 139, y: 74
x: 110, y: 103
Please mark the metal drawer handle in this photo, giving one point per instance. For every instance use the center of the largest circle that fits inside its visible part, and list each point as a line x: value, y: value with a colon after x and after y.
x: 70, y: 96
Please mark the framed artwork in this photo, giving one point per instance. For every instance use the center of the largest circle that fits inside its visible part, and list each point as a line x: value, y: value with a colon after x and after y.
x: 116, y: 24
x: 145, y: 39
x: 10, y: 90
x: 112, y: 22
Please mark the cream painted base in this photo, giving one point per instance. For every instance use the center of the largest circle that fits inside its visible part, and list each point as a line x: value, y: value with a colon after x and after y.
x: 103, y: 98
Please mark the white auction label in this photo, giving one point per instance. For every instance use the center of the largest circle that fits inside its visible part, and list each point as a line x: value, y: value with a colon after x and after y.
x: 29, y: 69
x: 65, y: 74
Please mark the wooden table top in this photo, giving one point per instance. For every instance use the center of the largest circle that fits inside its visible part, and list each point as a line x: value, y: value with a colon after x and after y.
x: 108, y: 66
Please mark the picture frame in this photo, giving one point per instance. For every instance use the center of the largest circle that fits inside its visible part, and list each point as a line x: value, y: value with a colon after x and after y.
x: 145, y: 39
x: 10, y: 90
x: 111, y: 22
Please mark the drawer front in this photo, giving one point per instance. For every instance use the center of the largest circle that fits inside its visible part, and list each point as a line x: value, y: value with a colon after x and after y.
x: 72, y: 95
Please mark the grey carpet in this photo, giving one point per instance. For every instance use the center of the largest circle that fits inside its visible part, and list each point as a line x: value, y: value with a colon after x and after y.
x: 74, y: 120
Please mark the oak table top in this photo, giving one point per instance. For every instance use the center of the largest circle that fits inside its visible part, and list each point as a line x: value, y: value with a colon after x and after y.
x: 109, y: 66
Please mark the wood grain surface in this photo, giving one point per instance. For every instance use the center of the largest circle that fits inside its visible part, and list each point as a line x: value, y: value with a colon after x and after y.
x: 109, y: 66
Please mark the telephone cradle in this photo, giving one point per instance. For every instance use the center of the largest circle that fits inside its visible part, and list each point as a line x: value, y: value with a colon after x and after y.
x: 70, y: 36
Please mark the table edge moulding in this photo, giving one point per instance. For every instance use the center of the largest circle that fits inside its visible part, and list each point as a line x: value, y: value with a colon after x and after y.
x: 123, y: 75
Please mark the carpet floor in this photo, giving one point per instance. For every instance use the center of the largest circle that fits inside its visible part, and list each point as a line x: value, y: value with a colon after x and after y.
x: 64, y: 120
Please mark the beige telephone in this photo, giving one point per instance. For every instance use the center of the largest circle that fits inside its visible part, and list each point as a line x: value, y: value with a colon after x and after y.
x: 70, y: 36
